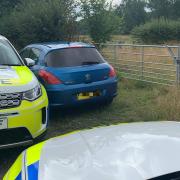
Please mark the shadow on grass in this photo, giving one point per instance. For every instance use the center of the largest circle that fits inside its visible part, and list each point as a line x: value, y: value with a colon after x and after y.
x: 76, y: 118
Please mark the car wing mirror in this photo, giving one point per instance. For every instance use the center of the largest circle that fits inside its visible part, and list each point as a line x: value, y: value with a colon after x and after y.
x: 29, y: 62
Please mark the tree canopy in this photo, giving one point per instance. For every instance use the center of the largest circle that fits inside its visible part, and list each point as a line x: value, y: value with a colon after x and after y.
x: 26, y: 21
x: 42, y: 20
x: 7, y: 5
x: 100, y: 19
x: 133, y: 14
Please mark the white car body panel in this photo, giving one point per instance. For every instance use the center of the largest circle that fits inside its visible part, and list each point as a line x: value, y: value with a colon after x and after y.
x: 7, y: 74
x: 135, y: 151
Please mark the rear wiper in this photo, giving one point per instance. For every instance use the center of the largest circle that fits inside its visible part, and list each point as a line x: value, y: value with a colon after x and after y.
x: 90, y: 62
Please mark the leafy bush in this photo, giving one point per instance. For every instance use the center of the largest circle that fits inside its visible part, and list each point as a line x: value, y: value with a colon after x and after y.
x: 157, y: 31
x: 6, y: 6
x: 37, y: 21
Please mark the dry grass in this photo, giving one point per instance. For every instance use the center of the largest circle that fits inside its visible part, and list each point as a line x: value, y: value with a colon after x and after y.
x: 168, y: 105
x: 125, y: 39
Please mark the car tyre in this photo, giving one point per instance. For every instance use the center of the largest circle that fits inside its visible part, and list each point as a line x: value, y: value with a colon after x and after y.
x: 108, y: 102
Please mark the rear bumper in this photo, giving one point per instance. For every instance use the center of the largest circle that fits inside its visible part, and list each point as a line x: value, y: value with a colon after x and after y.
x: 66, y: 95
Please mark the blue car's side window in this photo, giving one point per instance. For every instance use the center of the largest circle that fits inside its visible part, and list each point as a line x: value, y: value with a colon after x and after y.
x: 25, y: 53
x: 35, y: 54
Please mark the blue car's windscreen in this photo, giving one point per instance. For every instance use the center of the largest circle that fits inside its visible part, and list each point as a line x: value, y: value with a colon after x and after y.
x: 71, y: 57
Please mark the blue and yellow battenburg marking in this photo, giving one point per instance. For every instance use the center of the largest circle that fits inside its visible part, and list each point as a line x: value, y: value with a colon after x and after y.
x: 32, y: 157
x: 33, y: 171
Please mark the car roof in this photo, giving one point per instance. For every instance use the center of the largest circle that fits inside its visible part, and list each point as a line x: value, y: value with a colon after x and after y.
x: 2, y: 37
x: 60, y: 45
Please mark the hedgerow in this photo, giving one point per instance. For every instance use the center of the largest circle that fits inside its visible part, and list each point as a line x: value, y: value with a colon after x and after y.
x: 37, y: 21
x: 157, y: 31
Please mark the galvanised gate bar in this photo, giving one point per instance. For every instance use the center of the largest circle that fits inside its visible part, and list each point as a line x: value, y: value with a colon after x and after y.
x: 150, y: 63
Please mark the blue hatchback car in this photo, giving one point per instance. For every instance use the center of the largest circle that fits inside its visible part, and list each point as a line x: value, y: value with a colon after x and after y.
x: 72, y: 72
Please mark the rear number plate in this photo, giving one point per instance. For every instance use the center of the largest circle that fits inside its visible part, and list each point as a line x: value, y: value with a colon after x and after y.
x: 88, y: 95
x: 3, y: 123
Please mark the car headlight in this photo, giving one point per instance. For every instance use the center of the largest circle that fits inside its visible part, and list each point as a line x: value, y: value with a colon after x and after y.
x: 33, y: 94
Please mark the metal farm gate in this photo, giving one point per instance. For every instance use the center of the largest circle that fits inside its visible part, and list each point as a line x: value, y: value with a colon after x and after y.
x: 150, y: 63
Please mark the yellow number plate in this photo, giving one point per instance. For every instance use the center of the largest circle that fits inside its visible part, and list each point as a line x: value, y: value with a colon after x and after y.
x: 87, y: 95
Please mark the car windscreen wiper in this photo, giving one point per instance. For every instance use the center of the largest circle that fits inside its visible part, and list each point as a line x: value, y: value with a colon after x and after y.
x: 90, y: 62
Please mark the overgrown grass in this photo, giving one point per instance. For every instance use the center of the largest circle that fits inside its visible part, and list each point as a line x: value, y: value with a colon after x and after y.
x: 168, y: 105
x: 123, y: 39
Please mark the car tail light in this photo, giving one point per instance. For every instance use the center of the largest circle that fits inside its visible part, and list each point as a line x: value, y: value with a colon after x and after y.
x: 48, y: 77
x: 112, y: 72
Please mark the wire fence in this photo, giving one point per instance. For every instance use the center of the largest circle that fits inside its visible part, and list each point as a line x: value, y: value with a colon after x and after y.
x: 150, y: 63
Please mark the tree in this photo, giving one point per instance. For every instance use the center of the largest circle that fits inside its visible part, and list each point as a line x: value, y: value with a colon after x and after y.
x: 100, y: 18
x: 42, y: 20
x: 175, y: 9
x: 161, y: 8
x: 82, y: 27
x: 164, y: 8
x: 133, y: 13
x: 7, y: 5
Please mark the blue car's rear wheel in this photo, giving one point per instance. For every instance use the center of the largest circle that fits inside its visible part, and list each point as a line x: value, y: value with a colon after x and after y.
x: 108, y: 102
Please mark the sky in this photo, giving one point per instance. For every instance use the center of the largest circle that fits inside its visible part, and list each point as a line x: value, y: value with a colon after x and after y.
x: 115, y: 1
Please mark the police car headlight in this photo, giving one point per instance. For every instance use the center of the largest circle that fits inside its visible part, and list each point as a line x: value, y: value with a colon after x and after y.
x: 33, y: 94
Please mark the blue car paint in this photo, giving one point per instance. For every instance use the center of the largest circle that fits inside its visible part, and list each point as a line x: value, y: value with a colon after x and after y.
x: 63, y: 95
x: 66, y: 94
x: 19, y: 177
x: 33, y: 171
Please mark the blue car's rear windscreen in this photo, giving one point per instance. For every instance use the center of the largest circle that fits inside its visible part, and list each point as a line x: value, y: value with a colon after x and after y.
x: 71, y: 57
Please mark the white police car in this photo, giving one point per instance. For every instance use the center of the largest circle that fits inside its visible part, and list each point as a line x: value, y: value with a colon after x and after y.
x: 136, y: 151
